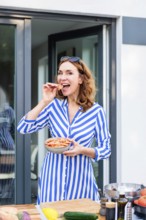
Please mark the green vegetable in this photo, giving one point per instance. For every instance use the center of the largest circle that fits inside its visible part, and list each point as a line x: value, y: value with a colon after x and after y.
x: 80, y: 216
x: 23, y: 215
x: 20, y: 215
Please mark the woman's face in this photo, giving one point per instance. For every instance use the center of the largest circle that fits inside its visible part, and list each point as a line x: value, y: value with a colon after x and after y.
x: 69, y: 77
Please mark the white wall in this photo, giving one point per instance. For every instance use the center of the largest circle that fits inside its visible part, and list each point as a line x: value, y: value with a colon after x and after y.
x: 133, y: 117
x: 134, y: 8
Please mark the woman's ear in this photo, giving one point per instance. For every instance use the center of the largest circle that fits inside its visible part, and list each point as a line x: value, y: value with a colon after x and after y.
x: 80, y: 80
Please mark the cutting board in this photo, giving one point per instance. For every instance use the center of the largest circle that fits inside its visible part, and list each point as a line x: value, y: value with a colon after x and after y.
x: 80, y: 205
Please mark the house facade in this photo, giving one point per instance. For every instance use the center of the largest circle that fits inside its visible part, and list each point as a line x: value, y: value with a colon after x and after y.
x: 110, y: 36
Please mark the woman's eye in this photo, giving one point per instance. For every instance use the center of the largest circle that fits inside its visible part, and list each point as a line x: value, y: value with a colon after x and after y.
x: 70, y: 73
x: 59, y: 73
x: 67, y: 73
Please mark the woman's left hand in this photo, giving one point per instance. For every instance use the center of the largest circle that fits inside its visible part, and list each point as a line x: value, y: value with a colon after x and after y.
x: 76, y: 149
x: 79, y: 149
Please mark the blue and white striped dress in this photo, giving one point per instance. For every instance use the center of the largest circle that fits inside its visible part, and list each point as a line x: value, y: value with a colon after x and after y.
x: 64, y: 177
x: 7, y: 117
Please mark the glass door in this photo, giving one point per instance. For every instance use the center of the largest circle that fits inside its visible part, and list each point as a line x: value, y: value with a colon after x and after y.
x: 7, y: 114
x: 13, y: 104
x: 89, y: 44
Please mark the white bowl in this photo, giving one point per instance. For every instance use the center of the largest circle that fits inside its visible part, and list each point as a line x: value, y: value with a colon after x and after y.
x: 57, y: 149
x: 131, y: 190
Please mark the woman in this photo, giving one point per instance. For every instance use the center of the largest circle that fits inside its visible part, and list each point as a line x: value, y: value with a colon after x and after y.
x: 72, y: 113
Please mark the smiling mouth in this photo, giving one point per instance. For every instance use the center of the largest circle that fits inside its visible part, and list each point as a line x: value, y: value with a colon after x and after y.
x: 66, y: 85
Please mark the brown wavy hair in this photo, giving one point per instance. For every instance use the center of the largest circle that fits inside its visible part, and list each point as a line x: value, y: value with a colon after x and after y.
x: 87, y: 91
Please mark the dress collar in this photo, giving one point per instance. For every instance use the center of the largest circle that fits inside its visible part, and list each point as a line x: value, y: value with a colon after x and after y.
x: 65, y: 103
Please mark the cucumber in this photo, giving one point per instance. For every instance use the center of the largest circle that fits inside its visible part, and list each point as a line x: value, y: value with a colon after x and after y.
x: 80, y: 216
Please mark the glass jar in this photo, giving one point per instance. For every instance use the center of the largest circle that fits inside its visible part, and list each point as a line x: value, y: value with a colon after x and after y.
x: 102, y: 210
x: 121, y: 206
x: 110, y: 210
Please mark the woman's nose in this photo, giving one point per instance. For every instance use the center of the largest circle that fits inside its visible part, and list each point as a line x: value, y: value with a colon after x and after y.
x: 63, y: 77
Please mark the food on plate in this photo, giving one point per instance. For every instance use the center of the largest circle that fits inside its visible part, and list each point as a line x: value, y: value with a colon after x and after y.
x: 141, y: 201
x: 50, y: 213
x: 80, y: 216
x: 57, y: 142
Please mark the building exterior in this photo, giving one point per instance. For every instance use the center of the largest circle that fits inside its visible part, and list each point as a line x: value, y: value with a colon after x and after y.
x: 111, y: 37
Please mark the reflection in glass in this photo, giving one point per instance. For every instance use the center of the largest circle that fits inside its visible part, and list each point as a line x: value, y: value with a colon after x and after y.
x: 7, y: 115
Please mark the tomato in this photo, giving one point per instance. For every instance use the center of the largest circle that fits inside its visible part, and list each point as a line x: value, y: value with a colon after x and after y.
x: 141, y: 201
x: 143, y: 192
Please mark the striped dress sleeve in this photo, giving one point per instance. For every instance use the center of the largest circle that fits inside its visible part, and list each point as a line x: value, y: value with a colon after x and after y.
x: 102, y: 135
x: 29, y: 126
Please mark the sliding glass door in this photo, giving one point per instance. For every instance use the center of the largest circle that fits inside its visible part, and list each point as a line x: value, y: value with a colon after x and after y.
x: 7, y: 114
x: 13, y: 104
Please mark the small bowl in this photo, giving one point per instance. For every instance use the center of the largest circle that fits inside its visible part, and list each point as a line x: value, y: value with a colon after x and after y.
x: 57, y: 149
x: 131, y: 190
x: 140, y: 209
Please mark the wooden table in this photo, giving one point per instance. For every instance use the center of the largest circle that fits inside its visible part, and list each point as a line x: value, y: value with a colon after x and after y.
x: 34, y: 214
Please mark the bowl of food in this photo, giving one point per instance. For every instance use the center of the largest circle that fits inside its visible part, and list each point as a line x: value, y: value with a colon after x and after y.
x: 57, y: 145
x: 141, y: 201
x: 131, y: 190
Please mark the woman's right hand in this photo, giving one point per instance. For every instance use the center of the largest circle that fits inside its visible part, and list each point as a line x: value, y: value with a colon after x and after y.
x: 49, y: 91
